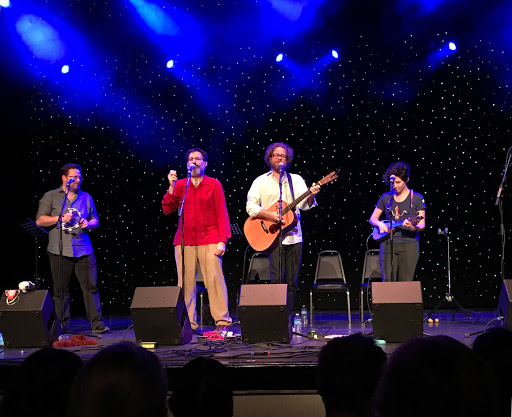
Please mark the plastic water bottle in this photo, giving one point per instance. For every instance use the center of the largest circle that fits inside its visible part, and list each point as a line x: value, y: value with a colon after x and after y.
x: 297, y: 327
x: 304, y: 315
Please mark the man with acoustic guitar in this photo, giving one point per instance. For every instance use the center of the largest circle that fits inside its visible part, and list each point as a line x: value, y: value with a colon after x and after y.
x: 407, y: 209
x: 262, y: 200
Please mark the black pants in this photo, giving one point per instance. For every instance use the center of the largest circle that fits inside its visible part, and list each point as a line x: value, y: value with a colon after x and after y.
x: 292, y: 260
x: 85, y: 271
x: 405, y: 258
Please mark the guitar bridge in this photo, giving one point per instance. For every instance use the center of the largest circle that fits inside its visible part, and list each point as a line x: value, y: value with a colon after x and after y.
x: 265, y: 229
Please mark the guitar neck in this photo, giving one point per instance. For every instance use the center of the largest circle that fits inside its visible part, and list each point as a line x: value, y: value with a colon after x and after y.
x: 332, y: 176
x: 292, y: 205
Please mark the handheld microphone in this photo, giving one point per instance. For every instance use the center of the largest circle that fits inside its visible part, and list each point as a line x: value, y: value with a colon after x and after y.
x: 392, y: 178
x: 70, y: 181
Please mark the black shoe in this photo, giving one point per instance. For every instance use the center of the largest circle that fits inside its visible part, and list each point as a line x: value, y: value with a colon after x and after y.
x: 101, y: 330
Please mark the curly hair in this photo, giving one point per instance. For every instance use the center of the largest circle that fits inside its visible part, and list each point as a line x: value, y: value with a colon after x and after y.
x: 400, y: 169
x: 270, y: 150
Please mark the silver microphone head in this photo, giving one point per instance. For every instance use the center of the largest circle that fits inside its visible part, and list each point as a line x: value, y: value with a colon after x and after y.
x: 392, y: 178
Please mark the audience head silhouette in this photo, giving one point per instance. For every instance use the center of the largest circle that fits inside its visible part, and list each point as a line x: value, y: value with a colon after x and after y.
x: 435, y: 376
x: 122, y: 380
x: 205, y: 389
x: 495, y: 347
x: 41, y: 387
x: 348, y: 372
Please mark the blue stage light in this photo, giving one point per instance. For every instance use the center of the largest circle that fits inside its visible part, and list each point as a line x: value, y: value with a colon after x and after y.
x: 5, y: 3
x: 335, y: 54
x: 279, y: 57
x: 156, y: 17
x: 452, y: 46
x: 65, y: 69
x: 42, y: 39
x: 170, y: 63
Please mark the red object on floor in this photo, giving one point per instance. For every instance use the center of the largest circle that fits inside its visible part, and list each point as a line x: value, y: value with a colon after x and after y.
x: 76, y: 340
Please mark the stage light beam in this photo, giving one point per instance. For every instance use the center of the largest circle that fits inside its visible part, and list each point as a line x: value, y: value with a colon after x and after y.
x: 41, y: 38
x: 452, y: 46
x: 170, y: 63
x: 335, y: 54
x: 279, y: 57
x: 5, y: 3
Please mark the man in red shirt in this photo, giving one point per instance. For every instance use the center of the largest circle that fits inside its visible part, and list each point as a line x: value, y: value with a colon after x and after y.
x: 205, y: 227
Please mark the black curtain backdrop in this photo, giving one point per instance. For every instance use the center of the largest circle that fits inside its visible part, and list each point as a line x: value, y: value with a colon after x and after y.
x: 379, y: 103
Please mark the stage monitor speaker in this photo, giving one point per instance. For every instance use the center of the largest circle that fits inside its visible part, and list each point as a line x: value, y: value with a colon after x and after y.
x: 159, y: 315
x: 397, y: 310
x: 30, y: 321
x: 263, y: 313
x: 505, y: 302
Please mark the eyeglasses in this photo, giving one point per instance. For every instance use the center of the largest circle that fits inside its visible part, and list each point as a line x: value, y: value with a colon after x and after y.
x: 279, y: 156
x: 194, y: 159
x: 75, y: 177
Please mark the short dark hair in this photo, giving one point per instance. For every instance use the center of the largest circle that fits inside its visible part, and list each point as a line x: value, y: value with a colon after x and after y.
x: 441, y: 364
x: 400, y: 169
x: 65, y: 169
x: 123, y: 379
x: 204, y: 382
x: 205, y: 155
x: 348, y: 372
x: 270, y: 151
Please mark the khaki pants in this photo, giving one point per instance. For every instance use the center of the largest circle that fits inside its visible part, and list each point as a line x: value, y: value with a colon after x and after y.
x: 203, y: 256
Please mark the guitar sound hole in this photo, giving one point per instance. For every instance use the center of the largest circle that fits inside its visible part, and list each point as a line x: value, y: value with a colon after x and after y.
x: 264, y: 227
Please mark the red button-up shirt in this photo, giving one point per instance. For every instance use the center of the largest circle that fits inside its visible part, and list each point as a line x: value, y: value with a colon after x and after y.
x: 205, y: 212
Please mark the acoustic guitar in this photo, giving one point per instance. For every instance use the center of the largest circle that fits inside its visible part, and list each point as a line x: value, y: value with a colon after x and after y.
x: 381, y: 237
x: 263, y: 235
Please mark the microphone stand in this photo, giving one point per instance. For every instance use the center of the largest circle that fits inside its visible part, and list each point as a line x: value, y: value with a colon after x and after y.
x: 61, y: 266
x: 280, y: 212
x: 499, y: 203
x: 449, y: 296
x: 182, y: 245
x: 61, y: 249
x: 389, y: 212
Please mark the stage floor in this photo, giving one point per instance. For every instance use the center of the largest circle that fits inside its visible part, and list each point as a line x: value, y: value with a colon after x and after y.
x: 262, y: 366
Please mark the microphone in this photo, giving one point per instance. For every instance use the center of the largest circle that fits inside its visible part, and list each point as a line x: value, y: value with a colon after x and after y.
x: 392, y: 178
x: 281, y: 167
x: 70, y: 181
x: 191, y: 167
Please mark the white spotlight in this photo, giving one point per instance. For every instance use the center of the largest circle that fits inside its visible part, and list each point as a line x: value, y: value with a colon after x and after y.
x: 64, y: 69
x: 170, y: 63
x: 279, y: 57
x: 335, y: 54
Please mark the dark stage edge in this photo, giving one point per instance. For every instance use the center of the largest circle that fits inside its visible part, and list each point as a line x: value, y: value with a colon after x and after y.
x: 286, y: 368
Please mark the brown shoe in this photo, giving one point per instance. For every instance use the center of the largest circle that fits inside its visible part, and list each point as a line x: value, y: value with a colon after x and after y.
x: 101, y: 330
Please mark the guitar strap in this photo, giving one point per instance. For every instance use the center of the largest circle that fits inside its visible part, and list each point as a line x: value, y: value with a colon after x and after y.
x: 290, y: 184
